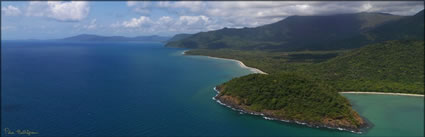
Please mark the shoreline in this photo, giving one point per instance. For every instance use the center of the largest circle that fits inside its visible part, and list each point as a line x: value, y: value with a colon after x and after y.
x: 255, y: 70
x: 241, y: 111
x: 241, y: 64
x: 270, y: 117
x: 382, y: 93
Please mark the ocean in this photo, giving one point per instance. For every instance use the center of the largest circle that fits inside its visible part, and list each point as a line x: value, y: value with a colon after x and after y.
x: 59, y: 88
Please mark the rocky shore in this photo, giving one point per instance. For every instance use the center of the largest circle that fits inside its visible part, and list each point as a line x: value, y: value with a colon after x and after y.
x: 339, y: 124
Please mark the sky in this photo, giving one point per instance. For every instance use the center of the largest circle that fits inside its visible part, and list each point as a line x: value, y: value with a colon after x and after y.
x: 59, y: 19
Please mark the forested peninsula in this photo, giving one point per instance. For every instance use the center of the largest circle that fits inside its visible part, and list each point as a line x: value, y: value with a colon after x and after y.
x: 291, y: 98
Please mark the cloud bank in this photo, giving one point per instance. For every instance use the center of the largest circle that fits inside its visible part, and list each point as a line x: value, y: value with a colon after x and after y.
x: 61, y: 11
x: 10, y: 11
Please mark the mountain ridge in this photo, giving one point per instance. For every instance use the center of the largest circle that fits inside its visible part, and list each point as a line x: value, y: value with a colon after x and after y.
x: 325, y: 32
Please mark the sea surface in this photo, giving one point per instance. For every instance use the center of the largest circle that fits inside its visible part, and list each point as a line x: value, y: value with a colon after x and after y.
x: 144, y: 89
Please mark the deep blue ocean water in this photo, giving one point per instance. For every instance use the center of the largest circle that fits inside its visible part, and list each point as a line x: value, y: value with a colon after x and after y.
x: 144, y: 89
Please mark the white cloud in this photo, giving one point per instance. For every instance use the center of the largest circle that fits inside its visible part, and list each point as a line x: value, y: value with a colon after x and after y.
x: 192, y: 24
x: 62, y: 11
x: 141, y: 7
x: 87, y: 25
x: 131, y: 3
x: 72, y: 11
x: 145, y: 7
x: 92, y: 24
x: 36, y: 8
x: 115, y: 25
x: 192, y: 20
x: 165, y: 20
x: 167, y: 24
x: 137, y: 22
x: 164, y: 4
x: 10, y: 11
x: 192, y: 6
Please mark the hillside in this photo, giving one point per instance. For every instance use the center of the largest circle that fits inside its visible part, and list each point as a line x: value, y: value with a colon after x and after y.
x: 406, y: 28
x: 395, y: 66
x: 89, y: 37
x: 292, y: 33
x: 291, y: 97
x: 392, y: 66
x: 179, y: 37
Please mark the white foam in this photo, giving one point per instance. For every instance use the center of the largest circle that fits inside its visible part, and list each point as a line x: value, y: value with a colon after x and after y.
x: 270, y: 118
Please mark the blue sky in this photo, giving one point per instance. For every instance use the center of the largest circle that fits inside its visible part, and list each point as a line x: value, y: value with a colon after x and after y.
x: 58, y: 19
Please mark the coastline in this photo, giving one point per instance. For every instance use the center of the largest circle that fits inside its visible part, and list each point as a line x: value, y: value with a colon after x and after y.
x: 241, y: 64
x: 255, y: 70
x: 269, y: 117
x: 382, y: 93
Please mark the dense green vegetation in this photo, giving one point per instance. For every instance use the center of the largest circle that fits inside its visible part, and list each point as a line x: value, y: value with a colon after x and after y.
x: 406, y: 28
x: 334, y: 32
x: 395, y: 66
x: 294, y: 96
x: 392, y: 66
x: 271, y: 62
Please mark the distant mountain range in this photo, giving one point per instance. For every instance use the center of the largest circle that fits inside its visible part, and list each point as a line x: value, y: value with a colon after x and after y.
x: 89, y: 37
x: 342, y: 31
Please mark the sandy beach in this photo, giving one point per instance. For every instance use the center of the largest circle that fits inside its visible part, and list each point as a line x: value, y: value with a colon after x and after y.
x: 382, y: 93
x: 241, y: 64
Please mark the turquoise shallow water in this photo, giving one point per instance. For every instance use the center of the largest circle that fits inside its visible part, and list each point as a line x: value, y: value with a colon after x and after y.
x: 391, y: 115
x: 144, y: 89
